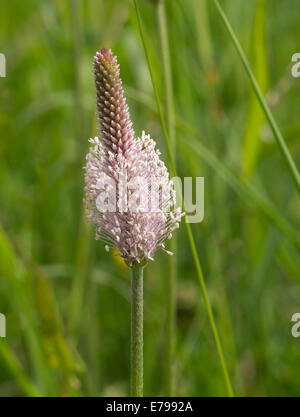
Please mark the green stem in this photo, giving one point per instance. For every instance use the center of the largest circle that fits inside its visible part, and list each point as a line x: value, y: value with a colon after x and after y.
x: 172, y: 270
x: 171, y: 325
x: 137, y: 331
x: 188, y: 226
x: 275, y: 129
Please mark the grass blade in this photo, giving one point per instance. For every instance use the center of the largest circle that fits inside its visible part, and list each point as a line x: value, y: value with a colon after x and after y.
x: 244, y: 189
x: 10, y: 271
x: 275, y: 129
x: 84, y: 240
x: 16, y: 370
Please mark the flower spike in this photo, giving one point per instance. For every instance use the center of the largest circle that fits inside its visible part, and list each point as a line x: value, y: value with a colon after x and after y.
x: 128, y: 193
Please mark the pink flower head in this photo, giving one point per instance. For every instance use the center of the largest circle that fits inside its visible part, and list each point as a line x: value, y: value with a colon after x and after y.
x: 128, y: 193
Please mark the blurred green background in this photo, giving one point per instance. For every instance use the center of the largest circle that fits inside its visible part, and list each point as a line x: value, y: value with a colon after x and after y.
x: 67, y: 302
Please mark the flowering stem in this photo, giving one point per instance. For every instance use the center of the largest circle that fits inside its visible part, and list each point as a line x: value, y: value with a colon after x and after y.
x: 172, y: 272
x: 137, y: 331
x: 171, y: 327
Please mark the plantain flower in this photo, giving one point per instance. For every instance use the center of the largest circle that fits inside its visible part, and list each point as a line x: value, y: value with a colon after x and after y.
x: 128, y: 194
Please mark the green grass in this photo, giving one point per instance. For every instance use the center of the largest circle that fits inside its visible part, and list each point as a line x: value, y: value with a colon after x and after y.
x: 67, y: 302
